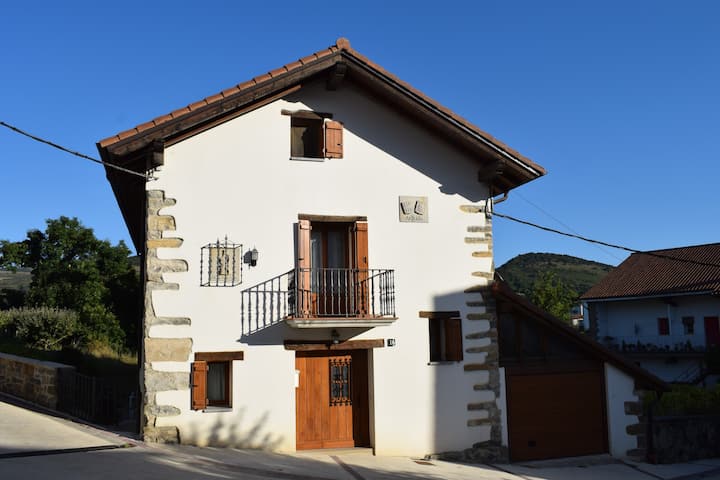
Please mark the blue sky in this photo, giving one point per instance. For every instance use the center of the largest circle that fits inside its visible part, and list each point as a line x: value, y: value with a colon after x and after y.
x: 618, y: 100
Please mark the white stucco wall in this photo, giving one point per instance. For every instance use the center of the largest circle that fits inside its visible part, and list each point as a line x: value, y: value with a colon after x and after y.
x: 619, y: 389
x: 237, y: 180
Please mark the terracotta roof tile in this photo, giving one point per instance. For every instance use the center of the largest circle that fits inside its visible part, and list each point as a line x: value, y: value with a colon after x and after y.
x: 214, y: 98
x: 248, y: 84
x: 308, y: 59
x: 145, y: 126
x: 673, y: 271
x: 262, y: 78
x: 196, y: 105
x: 278, y: 71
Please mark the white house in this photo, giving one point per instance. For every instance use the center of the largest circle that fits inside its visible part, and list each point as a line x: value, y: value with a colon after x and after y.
x: 317, y: 248
x: 661, y: 309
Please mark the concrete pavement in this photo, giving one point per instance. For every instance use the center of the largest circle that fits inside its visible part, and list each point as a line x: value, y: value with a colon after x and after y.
x: 34, y: 444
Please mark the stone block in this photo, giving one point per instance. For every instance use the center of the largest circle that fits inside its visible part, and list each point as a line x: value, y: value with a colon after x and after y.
x: 163, y: 381
x: 167, y: 349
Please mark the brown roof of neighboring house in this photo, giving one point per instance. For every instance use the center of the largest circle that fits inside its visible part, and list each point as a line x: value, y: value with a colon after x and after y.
x: 673, y: 271
x: 502, y: 292
x: 140, y: 148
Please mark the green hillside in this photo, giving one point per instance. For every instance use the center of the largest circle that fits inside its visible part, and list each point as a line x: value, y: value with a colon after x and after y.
x: 579, y: 274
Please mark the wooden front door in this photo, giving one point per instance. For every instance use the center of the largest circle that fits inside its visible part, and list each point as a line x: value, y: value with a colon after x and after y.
x: 712, y: 332
x: 332, y: 399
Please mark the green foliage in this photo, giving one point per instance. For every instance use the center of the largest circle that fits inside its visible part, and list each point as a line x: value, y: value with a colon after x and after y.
x: 553, y: 296
x: 73, y: 270
x: 685, y: 400
x: 42, y: 328
x: 578, y: 274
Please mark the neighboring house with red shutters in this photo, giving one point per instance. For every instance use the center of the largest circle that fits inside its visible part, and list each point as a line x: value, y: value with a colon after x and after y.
x: 318, y: 260
x: 661, y: 309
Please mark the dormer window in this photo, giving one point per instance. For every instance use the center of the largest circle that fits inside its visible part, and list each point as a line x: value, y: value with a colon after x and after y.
x: 313, y: 135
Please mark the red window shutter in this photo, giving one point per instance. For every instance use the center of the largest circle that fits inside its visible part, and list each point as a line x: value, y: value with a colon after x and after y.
x: 304, y: 299
x: 663, y: 326
x: 198, y: 385
x: 360, y: 264
x: 333, y: 139
x: 453, y: 340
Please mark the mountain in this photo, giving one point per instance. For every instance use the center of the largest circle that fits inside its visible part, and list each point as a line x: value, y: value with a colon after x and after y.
x: 580, y: 274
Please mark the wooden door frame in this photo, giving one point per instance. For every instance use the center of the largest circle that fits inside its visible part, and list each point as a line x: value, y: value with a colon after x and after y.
x: 361, y: 415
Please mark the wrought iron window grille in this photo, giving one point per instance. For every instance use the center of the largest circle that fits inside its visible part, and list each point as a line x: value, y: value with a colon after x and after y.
x: 221, y: 264
x: 340, y: 393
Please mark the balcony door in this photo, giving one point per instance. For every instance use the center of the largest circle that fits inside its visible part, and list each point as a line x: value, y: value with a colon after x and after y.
x: 332, y: 268
x: 712, y: 332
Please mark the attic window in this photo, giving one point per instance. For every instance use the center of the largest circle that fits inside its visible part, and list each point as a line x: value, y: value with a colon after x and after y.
x: 314, y: 136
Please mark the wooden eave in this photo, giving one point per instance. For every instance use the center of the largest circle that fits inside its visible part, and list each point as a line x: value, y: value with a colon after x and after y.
x: 642, y: 377
x: 334, y: 65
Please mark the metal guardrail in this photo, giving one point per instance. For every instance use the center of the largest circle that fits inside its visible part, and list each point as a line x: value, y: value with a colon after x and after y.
x: 319, y: 293
x: 94, y: 399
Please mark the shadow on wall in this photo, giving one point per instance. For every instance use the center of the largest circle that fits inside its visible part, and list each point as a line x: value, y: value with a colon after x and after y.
x: 416, y: 148
x: 232, y: 431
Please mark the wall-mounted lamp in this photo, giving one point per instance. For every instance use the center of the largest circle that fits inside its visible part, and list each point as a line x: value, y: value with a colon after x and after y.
x: 390, y: 342
x: 335, y: 337
x: 253, y: 257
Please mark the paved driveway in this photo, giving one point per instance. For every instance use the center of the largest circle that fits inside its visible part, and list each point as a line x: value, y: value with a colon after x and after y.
x: 34, y: 445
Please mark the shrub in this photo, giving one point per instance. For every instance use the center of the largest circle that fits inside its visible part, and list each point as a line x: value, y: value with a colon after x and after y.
x: 42, y: 328
x: 686, y: 400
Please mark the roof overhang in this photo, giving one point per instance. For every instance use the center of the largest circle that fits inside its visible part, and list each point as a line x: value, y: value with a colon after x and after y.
x: 140, y: 148
x: 502, y: 292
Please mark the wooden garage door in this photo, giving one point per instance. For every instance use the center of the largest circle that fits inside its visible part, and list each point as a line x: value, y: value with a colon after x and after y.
x: 554, y: 415
x: 332, y: 400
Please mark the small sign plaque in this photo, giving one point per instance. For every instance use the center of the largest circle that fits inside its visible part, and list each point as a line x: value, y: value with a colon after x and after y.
x: 413, y: 209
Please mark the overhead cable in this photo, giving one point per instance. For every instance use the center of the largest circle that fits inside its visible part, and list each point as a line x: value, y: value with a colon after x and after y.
x: 77, y: 154
x: 598, y: 242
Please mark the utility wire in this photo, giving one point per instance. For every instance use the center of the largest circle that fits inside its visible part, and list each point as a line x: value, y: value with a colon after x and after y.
x: 598, y: 242
x: 538, y: 207
x: 72, y: 152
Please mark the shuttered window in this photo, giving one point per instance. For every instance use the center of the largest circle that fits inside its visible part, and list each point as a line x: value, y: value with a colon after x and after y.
x: 211, y: 379
x: 313, y: 136
x: 445, y: 336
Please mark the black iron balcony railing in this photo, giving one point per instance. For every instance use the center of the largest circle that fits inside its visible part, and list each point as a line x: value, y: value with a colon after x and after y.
x: 319, y: 293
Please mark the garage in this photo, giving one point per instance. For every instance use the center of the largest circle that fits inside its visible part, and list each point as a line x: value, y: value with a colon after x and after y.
x: 559, y: 414
x: 555, y: 379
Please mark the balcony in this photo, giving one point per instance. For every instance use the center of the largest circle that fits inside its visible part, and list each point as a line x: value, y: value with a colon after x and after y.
x: 321, y: 298
x: 656, y: 345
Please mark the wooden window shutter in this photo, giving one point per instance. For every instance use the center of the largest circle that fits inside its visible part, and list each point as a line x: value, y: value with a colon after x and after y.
x: 333, y: 139
x: 361, y: 265
x: 304, y: 293
x: 453, y: 340
x: 198, y: 385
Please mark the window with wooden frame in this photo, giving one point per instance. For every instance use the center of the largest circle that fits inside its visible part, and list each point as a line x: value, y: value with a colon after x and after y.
x: 663, y: 326
x: 445, y: 334
x: 332, y: 267
x: 314, y: 135
x: 688, y: 325
x: 211, y: 379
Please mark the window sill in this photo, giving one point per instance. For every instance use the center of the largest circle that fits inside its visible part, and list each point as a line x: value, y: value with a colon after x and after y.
x: 217, y: 409
x: 307, y: 159
x: 444, y: 362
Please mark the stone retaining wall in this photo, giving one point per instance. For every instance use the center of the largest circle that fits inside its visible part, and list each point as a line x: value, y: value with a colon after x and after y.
x: 681, y: 439
x: 32, y: 380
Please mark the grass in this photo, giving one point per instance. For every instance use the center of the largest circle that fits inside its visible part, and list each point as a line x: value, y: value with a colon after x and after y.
x: 97, y: 360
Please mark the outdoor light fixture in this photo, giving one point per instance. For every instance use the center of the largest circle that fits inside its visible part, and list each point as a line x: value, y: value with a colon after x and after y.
x: 335, y: 337
x: 253, y: 257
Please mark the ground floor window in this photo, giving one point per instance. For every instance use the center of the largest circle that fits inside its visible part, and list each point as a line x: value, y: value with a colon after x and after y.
x: 663, y: 326
x: 212, y: 379
x: 445, y: 336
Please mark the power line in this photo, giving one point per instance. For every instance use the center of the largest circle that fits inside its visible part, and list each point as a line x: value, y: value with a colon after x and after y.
x: 598, y: 242
x: 72, y: 152
x: 538, y: 207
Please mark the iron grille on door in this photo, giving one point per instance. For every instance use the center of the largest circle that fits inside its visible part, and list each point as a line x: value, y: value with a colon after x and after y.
x: 340, y: 381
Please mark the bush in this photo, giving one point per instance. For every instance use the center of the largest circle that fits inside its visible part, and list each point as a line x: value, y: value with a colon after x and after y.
x: 42, y: 328
x: 686, y: 400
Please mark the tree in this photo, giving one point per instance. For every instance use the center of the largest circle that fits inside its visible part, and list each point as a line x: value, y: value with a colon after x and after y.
x: 553, y: 296
x: 71, y: 269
